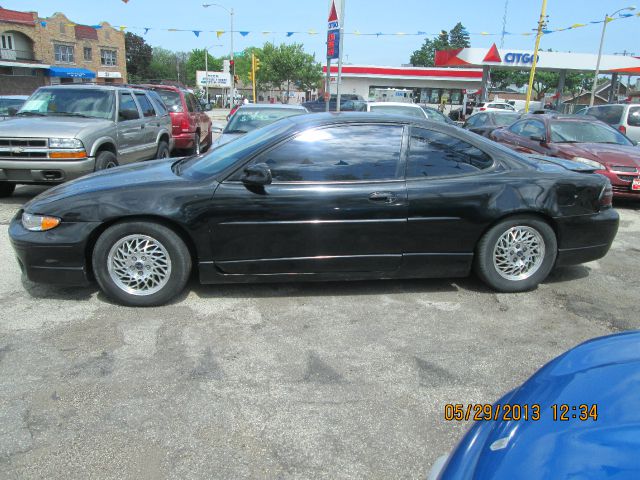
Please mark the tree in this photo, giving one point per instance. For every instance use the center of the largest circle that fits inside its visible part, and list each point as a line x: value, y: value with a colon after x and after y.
x: 196, y: 61
x: 163, y: 65
x: 138, y: 56
x: 425, y: 56
x: 459, y: 37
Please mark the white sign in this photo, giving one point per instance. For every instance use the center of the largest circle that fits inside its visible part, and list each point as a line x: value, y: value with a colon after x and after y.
x: 215, y: 79
x: 109, y: 75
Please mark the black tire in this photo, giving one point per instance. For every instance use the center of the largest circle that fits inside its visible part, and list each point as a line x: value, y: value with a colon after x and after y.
x: 105, y: 160
x: 163, y: 150
x: 6, y: 189
x: 486, y: 269
x: 209, y: 142
x: 196, y: 145
x: 174, y: 247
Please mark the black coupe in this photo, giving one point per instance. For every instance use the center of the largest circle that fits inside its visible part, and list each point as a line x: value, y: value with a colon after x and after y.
x: 318, y: 197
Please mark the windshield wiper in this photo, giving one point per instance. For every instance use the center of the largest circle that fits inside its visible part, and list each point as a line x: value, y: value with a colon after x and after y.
x: 237, y: 130
x: 35, y: 114
x: 72, y: 114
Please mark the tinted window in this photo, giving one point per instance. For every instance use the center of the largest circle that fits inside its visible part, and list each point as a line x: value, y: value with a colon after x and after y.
x: 585, y: 132
x: 128, y: 109
x: 610, y: 114
x: 190, y: 103
x: 479, y: 120
x: 145, y: 105
x: 517, y: 128
x: 159, y: 104
x: 504, y: 119
x: 171, y: 99
x: 634, y: 117
x: 434, y: 154
x: 534, y: 128
x: 9, y: 103
x: 434, y: 115
x: 350, y: 153
x: 398, y: 110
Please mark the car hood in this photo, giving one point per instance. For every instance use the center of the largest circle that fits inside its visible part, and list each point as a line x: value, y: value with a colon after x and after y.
x: 226, y: 138
x: 123, y: 190
x: 603, y: 371
x: 47, y: 127
x: 605, y: 153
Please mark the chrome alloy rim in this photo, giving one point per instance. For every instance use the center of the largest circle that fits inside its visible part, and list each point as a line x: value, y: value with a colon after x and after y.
x: 139, y: 265
x: 518, y: 253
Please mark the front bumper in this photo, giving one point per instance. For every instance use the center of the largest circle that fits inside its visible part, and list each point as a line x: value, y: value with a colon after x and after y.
x: 44, y: 171
x: 621, y: 184
x: 57, y: 256
x: 585, y: 238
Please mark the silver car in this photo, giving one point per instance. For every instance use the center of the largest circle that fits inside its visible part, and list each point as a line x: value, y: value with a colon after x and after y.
x: 64, y: 132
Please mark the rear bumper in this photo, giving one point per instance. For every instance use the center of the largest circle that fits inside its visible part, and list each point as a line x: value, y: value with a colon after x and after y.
x: 27, y: 171
x: 586, y: 238
x: 183, y: 141
x: 57, y: 256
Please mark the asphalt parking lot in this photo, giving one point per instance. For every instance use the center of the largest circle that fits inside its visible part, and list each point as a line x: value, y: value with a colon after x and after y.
x: 315, y: 380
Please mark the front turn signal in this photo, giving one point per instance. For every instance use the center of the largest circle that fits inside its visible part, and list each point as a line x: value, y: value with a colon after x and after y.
x: 39, y: 223
x: 68, y: 155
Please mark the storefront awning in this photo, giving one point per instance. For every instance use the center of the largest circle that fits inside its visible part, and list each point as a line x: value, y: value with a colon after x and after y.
x: 66, y: 72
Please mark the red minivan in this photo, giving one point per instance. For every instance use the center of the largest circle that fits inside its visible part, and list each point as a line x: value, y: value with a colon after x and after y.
x: 191, y: 126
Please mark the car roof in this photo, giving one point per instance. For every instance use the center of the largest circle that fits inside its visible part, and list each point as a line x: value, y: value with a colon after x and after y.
x: 163, y: 87
x: 269, y: 106
x: 94, y: 87
x: 15, y: 97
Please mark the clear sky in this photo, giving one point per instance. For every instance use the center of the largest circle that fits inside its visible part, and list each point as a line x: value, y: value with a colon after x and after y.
x: 362, y: 15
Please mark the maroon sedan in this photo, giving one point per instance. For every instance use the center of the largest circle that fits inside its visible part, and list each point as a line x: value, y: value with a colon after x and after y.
x: 191, y: 126
x: 583, y: 140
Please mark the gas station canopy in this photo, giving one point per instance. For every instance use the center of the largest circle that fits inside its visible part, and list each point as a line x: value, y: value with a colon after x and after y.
x: 522, y: 59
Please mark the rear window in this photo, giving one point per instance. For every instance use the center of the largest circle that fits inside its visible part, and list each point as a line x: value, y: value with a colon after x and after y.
x: 398, y: 110
x: 171, y: 100
x: 634, y: 117
x: 505, y: 119
x: 611, y: 114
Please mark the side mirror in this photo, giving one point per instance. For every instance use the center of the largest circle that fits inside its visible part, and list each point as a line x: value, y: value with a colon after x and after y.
x: 258, y: 174
x: 12, y: 111
x: 538, y: 138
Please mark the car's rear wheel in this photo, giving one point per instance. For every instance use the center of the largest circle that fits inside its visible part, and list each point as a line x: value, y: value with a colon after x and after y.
x: 6, y: 189
x: 196, y: 145
x: 141, y: 264
x: 163, y: 150
x: 105, y: 160
x: 209, y: 142
x: 516, y: 254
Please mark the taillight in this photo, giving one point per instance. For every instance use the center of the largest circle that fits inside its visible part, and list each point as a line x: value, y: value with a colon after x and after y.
x: 482, y: 109
x: 622, y: 129
x: 184, y: 123
x: 606, y: 195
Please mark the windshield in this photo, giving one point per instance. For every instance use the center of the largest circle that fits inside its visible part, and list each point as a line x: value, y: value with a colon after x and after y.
x: 398, y: 110
x: 434, y: 115
x: 585, y: 132
x: 81, y: 102
x: 247, y: 120
x: 221, y: 158
x: 504, y: 119
x: 171, y: 99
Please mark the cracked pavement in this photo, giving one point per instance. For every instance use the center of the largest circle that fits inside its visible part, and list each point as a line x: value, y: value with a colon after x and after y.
x: 309, y: 380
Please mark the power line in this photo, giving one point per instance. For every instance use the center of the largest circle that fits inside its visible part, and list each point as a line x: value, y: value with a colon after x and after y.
x: 504, y: 22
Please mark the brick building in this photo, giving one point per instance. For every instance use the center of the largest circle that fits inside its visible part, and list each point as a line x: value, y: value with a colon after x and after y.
x: 38, y: 51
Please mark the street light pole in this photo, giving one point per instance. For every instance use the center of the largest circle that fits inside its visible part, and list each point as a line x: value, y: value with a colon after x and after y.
x: 607, y: 19
x: 233, y: 67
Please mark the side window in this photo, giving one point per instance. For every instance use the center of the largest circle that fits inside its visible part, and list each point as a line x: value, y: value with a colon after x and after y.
x: 435, y: 154
x: 128, y: 109
x: 634, y: 117
x: 190, y: 106
x: 337, y: 154
x: 481, y: 119
x: 518, y: 127
x: 145, y: 105
x: 158, y: 103
x: 533, y: 127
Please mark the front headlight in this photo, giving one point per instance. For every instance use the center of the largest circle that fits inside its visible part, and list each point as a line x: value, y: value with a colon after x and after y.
x: 65, y: 143
x: 39, y: 223
x: 588, y: 161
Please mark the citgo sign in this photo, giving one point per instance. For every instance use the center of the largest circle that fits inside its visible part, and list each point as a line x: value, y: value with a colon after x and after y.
x: 512, y: 57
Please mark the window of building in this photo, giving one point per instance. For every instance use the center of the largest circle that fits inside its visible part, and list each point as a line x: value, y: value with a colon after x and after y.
x: 435, y: 154
x: 108, y: 57
x: 63, y: 53
x: 145, y: 105
x: 337, y: 154
x: 7, y: 41
x: 87, y: 54
x: 62, y: 29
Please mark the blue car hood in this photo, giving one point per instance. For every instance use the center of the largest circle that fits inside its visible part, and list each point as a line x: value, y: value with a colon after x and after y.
x: 604, y: 372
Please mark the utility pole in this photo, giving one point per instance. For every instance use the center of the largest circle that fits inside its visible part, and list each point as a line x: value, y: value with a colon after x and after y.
x: 532, y: 74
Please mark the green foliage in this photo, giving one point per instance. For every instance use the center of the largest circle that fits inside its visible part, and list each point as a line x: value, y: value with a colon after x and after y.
x: 457, y: 37
x: 138, y: 55
x: 196, y: 61
x: 544, y: 82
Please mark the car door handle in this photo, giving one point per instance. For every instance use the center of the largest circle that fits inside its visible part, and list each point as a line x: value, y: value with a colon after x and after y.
x: 383, y: 197
x: 141, y: 127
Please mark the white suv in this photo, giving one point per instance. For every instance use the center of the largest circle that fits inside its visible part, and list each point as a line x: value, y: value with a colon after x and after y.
x: 494, y: 107
x: 625, y: 118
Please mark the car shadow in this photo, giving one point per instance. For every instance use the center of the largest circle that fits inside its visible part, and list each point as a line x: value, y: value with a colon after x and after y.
x: 57, y: 292
x: 568, y: 273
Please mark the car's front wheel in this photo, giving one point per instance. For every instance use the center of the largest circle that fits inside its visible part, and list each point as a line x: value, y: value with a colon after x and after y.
x: 516, y: 254
x: 6, y: 189
x: 141, y: 264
